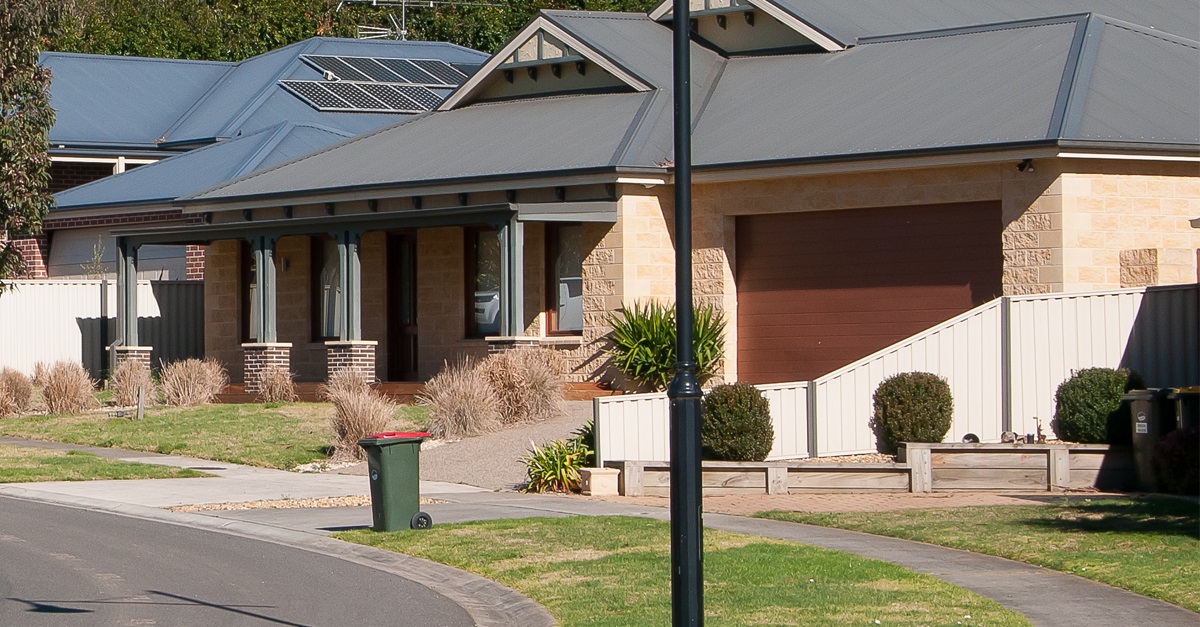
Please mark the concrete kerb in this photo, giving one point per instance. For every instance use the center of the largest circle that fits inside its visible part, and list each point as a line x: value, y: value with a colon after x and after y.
x: 487, y: 602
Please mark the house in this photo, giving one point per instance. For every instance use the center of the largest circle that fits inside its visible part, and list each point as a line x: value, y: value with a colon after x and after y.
x: 218, y: 120
x: 862, y: 171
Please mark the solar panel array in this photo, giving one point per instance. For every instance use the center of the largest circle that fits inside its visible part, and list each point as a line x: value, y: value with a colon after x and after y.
x: 370, y: 84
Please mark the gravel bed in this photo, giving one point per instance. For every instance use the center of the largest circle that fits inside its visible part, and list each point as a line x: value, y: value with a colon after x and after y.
x: 333, y: 501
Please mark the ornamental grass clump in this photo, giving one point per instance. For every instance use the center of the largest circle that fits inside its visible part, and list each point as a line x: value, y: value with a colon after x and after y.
x: 528, y: 383
x: 192, y: 382
x: 736, y: 424
x: 276, y: 385
x: 16, y: 393
x: 555, y: 466
x: 127, y: 378
x: 1088, y: 407
x: 68, y: 389
x: 461, y: 401
x: 358, y: 411
x: 40, y: 370
x: 642, y: 342
x: 912, y: 407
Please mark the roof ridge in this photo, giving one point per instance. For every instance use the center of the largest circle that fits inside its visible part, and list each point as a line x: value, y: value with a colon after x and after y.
x: 990, y: 27
x: 126, y: 58
x: 1148, y: 31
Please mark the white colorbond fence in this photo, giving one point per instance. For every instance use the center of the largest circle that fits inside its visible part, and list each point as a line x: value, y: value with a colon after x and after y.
x: 1003, y: 360
x: 56, y: 320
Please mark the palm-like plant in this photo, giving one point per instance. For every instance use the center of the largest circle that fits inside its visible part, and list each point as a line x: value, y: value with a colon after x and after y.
x: 643, y: 342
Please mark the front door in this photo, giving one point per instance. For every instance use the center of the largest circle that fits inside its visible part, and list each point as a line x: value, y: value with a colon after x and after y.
x: 402, y: 306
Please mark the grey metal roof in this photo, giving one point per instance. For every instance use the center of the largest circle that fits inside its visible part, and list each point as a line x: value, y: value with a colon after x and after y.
x: 168, y: 104
x: 122, y: 101
x: 1043, y: 82
x: 162, y: 182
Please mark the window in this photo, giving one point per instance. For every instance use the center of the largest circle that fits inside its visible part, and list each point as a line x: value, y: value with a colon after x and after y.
x: 482, y: 248
x: 250, y: 315
x: 564, y: 278
x: 327, y: 290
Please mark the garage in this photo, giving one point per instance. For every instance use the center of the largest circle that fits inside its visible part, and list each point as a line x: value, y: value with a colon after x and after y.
x: 819, y: 290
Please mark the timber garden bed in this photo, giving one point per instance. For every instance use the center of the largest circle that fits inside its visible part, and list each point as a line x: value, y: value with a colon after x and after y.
x: 944, y: 467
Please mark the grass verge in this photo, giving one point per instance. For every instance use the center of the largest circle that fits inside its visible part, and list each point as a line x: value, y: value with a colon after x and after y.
x: 1147, y: 546
x: 275, y: 435
x: 616, y: 571
x: 21, y: 464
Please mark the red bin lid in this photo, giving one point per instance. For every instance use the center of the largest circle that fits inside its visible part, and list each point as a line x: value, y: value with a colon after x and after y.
x: 399, y: 434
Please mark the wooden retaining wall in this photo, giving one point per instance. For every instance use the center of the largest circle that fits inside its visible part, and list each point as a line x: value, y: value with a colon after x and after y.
x: 921, y: 468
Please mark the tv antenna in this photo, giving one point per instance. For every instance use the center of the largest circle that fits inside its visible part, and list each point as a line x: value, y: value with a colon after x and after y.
x: 399, y: 28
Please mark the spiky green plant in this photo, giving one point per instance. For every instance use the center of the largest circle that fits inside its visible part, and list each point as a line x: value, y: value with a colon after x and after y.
x: 555, y: 466
x: 643, y: 342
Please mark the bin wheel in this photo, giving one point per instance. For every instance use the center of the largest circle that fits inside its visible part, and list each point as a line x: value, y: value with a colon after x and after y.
x: 421, y: 520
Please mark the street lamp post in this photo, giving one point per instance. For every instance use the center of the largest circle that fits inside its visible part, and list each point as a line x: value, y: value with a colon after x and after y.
x: 687, y: 557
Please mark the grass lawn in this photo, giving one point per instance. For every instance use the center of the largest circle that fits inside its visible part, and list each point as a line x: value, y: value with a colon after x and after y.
x: 272, y: 436
x: 21, y: 464
x: 616, y: 571
x: 1148, y: 546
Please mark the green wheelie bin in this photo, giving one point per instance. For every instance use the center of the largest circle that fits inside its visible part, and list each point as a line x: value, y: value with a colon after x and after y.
x: 394, y: 467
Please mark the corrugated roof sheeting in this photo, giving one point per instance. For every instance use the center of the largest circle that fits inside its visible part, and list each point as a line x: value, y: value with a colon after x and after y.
x: 550, y: 134
x: 183, y: 174
x: 964, y: 90
x: 848, y: 21
x: 1142, y: 88
x: 123, y: 100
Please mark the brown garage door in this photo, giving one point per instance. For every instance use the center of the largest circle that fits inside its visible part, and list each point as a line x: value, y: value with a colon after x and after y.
x: 819, y: 290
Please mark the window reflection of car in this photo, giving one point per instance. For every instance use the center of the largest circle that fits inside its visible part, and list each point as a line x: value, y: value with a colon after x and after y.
x: 487, y: 312
x: 570, y: 304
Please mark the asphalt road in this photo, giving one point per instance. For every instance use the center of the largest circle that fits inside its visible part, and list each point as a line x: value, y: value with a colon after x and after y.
x: 67, y: 566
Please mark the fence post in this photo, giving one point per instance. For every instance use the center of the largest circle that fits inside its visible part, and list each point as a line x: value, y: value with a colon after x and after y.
x: 1005, y: 363
x: 812, y: 418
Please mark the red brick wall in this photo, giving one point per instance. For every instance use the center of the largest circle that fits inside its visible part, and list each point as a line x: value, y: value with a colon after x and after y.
x: 34, y: 250
x: 65, y: 175
x: 195, y: 263
x: 120, y: 218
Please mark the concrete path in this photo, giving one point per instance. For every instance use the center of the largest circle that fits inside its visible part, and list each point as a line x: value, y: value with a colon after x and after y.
x: 1045, y: 597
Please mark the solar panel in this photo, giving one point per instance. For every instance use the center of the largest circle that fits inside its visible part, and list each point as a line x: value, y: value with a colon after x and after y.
x: 409, y: 72
x: 420, y: 95
x: 392, y: 98
x: 444, y: 72
x: 338, y: 66
x: 372, y: 69
x: 353, y: 94
x: 316, y: 94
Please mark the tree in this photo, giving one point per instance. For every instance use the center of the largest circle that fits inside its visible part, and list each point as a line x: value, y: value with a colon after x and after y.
x: 25, y: 121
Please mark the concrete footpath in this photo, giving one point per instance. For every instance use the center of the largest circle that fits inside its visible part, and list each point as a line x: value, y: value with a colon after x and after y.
x: 1045, y: 597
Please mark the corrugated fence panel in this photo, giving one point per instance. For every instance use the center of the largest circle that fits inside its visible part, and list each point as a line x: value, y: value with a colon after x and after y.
x: 789, y: 417
x: 1150, y: 330
x: 632, y: 427
x: 963, y: 350
x: 66, y: 320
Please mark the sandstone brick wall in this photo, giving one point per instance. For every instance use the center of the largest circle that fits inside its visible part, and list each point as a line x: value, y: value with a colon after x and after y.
x: 293, y: 306
x: 441, y: 309
x: 223, y: 306
x: 373, y: 255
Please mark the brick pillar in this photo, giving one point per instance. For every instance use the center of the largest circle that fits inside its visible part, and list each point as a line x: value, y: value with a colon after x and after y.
x: 258, y: 356
x: 35, y: 250
x: 194, y: 263
x: 356, y: 355
x: 131, y: 353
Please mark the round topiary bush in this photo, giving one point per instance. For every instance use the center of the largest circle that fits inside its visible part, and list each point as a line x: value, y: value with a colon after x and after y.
x: 912, y: 407
x: 736, y: 424
x: 1177, y: 462
x: 1088, y: 408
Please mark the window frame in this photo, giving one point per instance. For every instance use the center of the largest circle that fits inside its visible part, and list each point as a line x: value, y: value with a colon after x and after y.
x: 551, y: 279
x: 316, y: 306
x: 471, y: 278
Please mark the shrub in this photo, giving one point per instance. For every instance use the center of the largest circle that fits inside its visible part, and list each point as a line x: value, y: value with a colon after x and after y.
x: 192, y: 382
x: 126, y: 379
x: 1088, y: 407
x: 342, y: 382
x: 275, y: 385
x: 1177, y: 462
x: 912, y: 407
x: 16, y: 392
x: 461, y: 401
x: 40, y: 370
x: 736, y: 424
x: 358, y: 411
x: 555, y: 466
x: 528, y: 383
x: 586, y: 435
x: 643, y: 342
x: 68, y: 388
